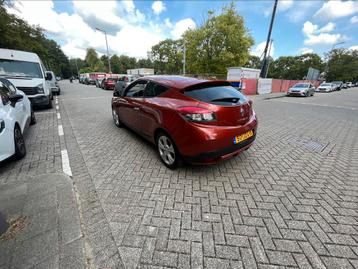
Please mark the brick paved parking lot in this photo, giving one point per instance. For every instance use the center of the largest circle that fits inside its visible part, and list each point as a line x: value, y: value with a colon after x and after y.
x: 290, y: 201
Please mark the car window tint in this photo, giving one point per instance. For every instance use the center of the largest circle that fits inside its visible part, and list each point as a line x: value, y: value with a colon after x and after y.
x: 218, y: 95
x: 153, y: 89
x: 137, y: 90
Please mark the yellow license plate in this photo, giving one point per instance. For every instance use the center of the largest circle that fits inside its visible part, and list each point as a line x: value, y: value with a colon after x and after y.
x: 240, y: 138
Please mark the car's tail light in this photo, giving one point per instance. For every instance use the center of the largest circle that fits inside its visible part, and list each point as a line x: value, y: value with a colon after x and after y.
x: 126, y: 79
x: 197, y: 114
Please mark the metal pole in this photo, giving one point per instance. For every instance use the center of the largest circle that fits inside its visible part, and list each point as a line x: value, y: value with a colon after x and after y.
x: 184, y: 59
x: 264, y: 64
x: 105, y: 35
x: 78, y: 73
x: 268, y: 63
x: 109, y: 62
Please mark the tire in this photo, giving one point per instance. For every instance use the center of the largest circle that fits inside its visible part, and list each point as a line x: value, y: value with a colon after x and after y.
x: 20, y: 148
x: 116, y: 119
x: 33, y: 118
x: 51, y: 96
x: 307, y: 94
x: 49, y: 103
x: 168, y: 153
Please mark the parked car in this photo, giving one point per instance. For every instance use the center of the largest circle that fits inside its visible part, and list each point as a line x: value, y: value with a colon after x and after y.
x: 55, y: 88
x: 349, y: 84
x: 344, y: 85
x: 109, y: 83
x: 325, y: 87
x: 26, y: 71
x: 99, y: 82
x: 16, y: 114
x: 199, y: 121
x: 301, y: 89
x: 337, y: 85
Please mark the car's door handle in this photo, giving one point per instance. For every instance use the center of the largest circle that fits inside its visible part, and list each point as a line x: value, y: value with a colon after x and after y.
x: 136, y: 108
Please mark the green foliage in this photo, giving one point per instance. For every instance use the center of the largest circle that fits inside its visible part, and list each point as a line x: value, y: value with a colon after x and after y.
x: 254, y: 62
x: 294, y: 67
x: 167, y: 56
x: 222, y: 41
x: 343, y: 65
x: 17, y: 34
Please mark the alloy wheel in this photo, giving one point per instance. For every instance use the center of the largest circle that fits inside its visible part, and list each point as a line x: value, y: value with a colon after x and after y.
x: 166, y: 150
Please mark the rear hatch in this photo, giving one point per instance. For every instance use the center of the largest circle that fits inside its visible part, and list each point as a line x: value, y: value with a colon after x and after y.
x: 230, y: 106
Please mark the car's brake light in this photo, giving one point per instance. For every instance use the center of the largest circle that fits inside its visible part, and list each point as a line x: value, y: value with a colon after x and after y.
x: 197, y: 114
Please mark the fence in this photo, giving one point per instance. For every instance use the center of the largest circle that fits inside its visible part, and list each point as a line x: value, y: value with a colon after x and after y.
x: 262, y: 86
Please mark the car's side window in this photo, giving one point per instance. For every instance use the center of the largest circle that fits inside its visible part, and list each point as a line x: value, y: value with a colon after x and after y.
x: 12, y: 88
x: 4, y: 93
x: 153, y: 89
x: 136, y: 90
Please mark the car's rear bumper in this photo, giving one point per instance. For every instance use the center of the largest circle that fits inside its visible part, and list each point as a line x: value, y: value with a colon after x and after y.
x: 55, y: 89
x: 210, y: 144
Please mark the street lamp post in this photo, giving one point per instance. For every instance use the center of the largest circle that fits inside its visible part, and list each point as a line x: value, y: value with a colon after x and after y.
x: 329, y: 57
x: 105, y: 35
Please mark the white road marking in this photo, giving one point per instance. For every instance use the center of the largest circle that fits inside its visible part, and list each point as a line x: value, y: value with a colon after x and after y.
x: 57, y: 107
x: 58, y: 116
x: 86, y: 98
x: 56, y: 101
x: 44, y: 112
x: 60, y: 130
x: 66, y: 163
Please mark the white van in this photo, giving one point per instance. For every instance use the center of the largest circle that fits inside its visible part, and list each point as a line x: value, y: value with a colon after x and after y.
x: 55, y: 88
x: 27, y: 72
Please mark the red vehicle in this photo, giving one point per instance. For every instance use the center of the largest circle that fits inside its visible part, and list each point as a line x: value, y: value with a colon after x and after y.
x: 198, y: 121
x: 109, y: 83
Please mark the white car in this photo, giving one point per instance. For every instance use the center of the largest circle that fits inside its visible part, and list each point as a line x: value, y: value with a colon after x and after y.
x: 325, y: 87
x: 16, y: 115
x: 52, y: 82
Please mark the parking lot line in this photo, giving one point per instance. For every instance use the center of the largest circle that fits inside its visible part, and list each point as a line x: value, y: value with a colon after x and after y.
x: 58, y: 116
x: 66, y: 163
x: 60, y: 130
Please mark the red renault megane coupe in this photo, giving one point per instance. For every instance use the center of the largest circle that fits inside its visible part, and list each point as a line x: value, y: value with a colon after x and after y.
x: 199, y: 121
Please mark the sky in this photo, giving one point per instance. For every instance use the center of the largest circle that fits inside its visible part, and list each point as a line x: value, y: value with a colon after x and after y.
x: 133, y: 27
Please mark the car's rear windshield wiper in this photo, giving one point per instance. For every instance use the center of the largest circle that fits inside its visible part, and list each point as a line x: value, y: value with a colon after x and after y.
x: 227, y: 99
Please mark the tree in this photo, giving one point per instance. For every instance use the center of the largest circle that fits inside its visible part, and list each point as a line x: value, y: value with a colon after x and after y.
x: 222, y: 41
x: 167, y: 56
x: 91, y: 57
x: 254, y: 62
x: 294, y: 67
x: 343, y: 65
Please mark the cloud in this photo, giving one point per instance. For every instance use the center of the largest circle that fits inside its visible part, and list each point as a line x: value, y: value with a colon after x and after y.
x: 181, y: 26
x: 76, y: 31
x: 284, y: 5
x: 320, y: 36
x: 306, y: 50
x: 336, y: 9
x: 301, y: 10
x: 259, y: 49
x: 354, y: 47
x: 354, y: 19
x: 158, y: 7
x: 168, y: 23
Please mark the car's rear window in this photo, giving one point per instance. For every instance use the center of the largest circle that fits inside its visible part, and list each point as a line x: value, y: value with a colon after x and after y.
x: 218, y: 95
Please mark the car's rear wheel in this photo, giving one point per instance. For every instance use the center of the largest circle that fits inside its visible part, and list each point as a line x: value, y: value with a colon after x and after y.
x: 167, y: 150
x: 116, y: 119
x: 20, y: 148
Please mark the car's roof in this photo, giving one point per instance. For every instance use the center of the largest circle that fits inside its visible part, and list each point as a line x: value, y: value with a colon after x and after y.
x: 179, y: 82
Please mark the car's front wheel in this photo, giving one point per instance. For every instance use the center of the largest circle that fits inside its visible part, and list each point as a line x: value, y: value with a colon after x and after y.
x: 20, y: 148
x: 116, y: 119
x: 167, y: 150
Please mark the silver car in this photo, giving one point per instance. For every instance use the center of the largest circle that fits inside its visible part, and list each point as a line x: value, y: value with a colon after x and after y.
x: 301, y: 89
x: 326, y: 87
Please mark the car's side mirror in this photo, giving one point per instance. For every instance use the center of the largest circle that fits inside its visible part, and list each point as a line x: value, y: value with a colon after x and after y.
x: 48, y: 76
x: 15, y: 98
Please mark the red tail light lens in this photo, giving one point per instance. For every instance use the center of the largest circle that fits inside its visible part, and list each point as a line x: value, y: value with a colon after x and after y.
x: 197, y: 114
